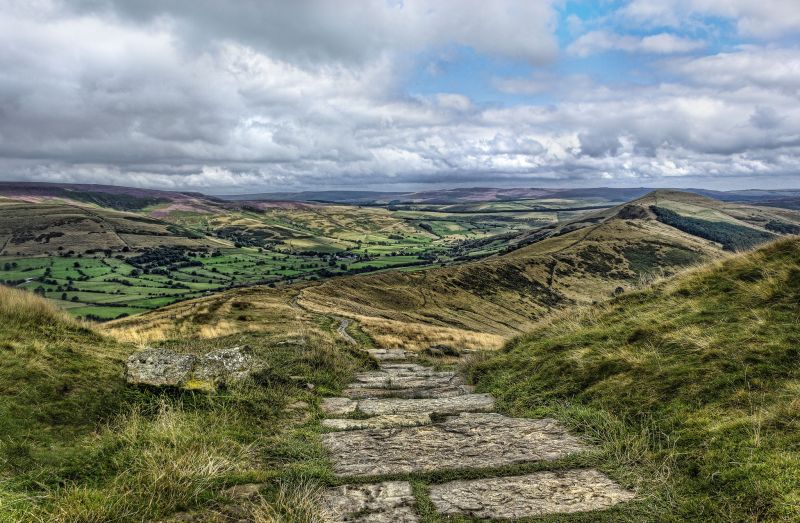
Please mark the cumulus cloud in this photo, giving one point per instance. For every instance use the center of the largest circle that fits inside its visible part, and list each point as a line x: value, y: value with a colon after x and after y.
x: 759, y: 18
x: 285, y: 96
x: 662, y: 43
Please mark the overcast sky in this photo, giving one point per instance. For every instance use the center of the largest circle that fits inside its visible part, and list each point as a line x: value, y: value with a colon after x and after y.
x: 256, y: 95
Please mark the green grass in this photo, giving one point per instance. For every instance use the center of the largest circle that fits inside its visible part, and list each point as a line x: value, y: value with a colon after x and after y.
x: 78, y: 445
x: 690, y: 389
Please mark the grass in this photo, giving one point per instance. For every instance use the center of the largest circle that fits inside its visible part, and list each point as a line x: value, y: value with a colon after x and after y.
x: 78, y: 445
x: 689, y: 388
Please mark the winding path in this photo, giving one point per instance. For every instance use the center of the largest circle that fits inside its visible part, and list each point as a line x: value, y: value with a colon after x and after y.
x: 341, y: 330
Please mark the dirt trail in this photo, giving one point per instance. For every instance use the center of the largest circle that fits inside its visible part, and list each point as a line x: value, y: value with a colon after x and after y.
x: 341, y: 330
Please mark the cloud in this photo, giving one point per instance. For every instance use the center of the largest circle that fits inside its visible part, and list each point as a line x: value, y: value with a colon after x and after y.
x: 285, y: 96
x: 758, y: 18
x: 596, y: 42
x: 321, y: 30
x: 777, y: 68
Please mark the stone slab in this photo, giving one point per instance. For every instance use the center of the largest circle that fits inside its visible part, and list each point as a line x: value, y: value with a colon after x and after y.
x: 387, y: 502
x: 391, y: 354
x: 338, y: 406
x: 469, y: 440
x: 538, y: 494
x: 453, y: 405
x: 408, y: 393
x: 406, y: 380
x: 379, y: 422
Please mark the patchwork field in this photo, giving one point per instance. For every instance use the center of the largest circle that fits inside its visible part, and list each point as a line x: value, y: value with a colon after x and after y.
x: 147, y: 252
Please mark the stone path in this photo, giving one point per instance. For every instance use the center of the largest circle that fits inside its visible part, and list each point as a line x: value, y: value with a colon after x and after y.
x: 408, y: 418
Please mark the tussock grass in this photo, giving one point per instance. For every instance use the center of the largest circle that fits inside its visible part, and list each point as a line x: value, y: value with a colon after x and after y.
x: 689, y: 388
x: 292, y: 503
x: 18, y: 307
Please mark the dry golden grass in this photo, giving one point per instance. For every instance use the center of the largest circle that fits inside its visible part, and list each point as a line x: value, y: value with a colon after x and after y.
x: 236, y: 311
x: 418, y: 336
x: 297, y: 503
x: 24, y: 307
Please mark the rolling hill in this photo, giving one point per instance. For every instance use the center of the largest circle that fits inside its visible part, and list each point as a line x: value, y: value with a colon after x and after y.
x: 481, y: 304
x: 588, y: 259
x: 689, y: 387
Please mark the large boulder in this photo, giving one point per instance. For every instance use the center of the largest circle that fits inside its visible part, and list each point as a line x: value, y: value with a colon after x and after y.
x: 224, y: 365
x: 167, y: 368
x: 159, y: 368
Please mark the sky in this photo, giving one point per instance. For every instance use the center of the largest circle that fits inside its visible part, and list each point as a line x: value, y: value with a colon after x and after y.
x: 256, y: 95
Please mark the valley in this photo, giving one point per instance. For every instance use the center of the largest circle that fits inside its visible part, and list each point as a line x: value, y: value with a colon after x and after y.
x: 104, y: 252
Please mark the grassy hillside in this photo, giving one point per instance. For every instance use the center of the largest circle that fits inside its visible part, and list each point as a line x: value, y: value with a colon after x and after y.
x: 78, y: 445
x: 690, y: 388
x: 577, y: 262
x: 481, y: 304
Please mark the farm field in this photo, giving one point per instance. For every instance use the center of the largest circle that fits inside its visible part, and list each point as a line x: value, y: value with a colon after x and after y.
x: 104, y: 257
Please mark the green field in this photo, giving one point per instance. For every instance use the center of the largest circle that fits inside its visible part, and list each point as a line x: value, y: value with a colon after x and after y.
x: 103, y: 263
x: 197, y: 252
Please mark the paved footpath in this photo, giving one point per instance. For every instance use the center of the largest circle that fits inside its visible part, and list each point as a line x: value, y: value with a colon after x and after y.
x: 406, y: 418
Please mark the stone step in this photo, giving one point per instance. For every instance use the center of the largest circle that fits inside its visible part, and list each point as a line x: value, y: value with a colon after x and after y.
x: 404, y: 370
x: 453, y: 405
x: 391, y: 354
x: 404, y: 367
x: 469, y: 440
x: 338, y: 406
x: 538, y: 494
x: 409, y: 393
x: 406, y: 381
x: 387, y: 502
x: 379, y: 422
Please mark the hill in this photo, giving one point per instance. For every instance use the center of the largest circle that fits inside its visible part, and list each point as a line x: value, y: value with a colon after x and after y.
x: 690, y: 387
x: 168, y: 246
x: 481, y: 304
x: 580, y: 261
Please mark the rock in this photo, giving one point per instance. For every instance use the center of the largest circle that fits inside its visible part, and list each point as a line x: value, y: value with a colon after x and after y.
x: 338, y: 406
x: 537, y: 494
x: 379, y: 422
x: 387, y: 502
x: 441, y: 351
x: 223, y: 365
x: 159, y: 368
x: 167, y: 368
x: 474, y: 440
